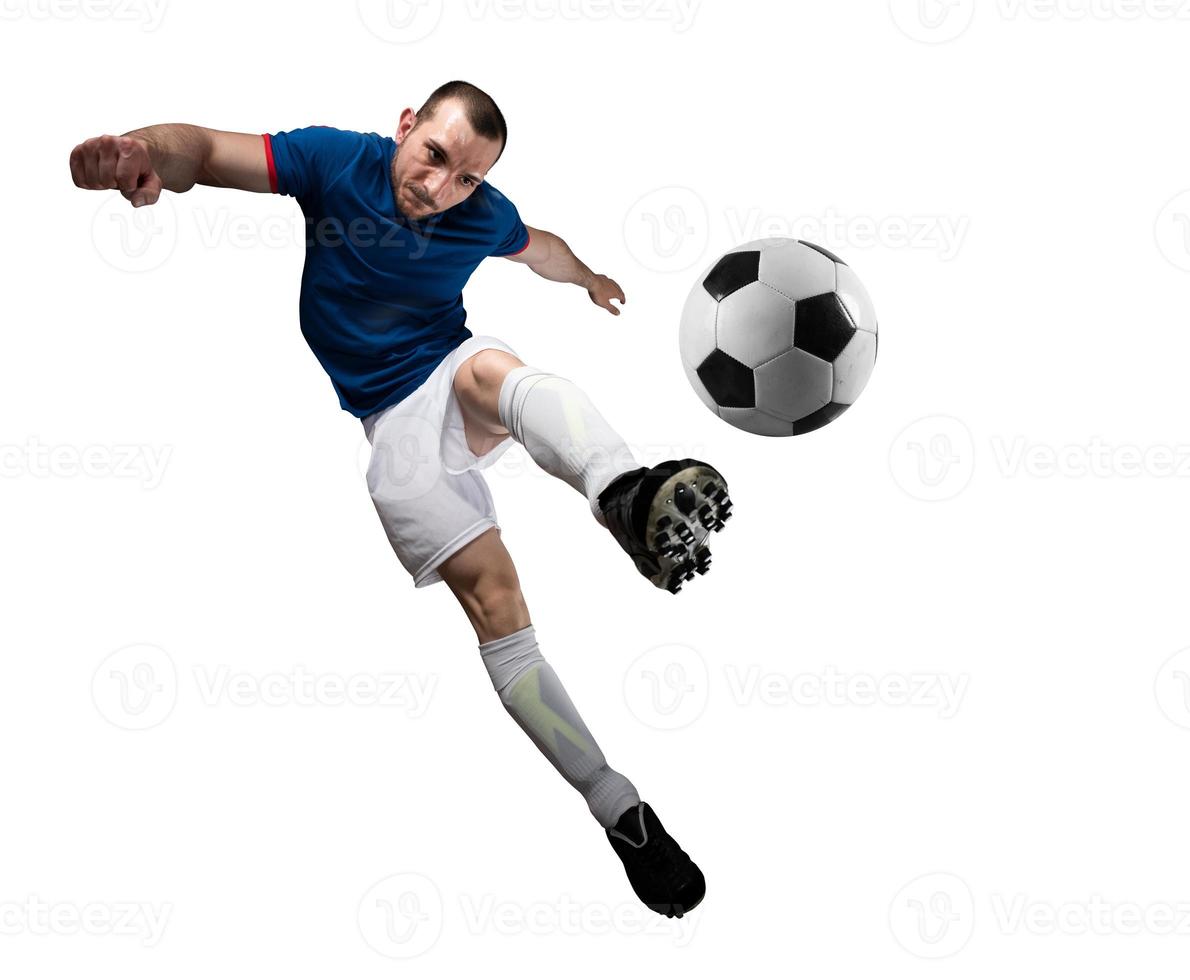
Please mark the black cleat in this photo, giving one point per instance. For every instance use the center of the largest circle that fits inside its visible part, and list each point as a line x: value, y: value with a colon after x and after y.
x: 660, y: 872
x: 662, y: 515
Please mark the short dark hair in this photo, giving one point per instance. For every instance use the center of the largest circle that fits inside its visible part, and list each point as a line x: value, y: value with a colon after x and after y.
x: 480, y: 109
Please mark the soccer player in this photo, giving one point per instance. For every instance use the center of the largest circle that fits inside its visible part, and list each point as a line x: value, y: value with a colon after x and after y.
x: 395, y: 227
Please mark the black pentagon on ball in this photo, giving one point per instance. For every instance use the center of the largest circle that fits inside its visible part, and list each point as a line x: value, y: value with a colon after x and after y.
x: 816, y: 420
x: 732, y: 272
x: 822, y: 327
x: 728, y: 381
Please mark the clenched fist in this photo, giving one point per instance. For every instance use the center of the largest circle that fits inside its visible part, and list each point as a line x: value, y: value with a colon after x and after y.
x: 116, y: 163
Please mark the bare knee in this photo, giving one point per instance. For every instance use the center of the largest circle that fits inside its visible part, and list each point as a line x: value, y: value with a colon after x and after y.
x: 478, y: 381
x: 489, y: 367
x: 499, y: 609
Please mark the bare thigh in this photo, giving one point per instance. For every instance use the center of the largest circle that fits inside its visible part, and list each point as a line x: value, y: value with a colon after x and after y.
x: 477, y: 385
x: 484, y: 580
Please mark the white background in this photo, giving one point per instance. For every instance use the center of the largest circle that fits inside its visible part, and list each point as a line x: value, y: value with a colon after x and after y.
x: 1001, y: 516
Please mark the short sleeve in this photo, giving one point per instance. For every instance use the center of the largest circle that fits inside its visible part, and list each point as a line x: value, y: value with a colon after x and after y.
x: 516, y: 235
x: 302, y: 162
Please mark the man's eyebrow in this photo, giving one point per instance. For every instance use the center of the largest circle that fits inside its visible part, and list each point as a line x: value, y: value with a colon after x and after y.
x: 446, y: 156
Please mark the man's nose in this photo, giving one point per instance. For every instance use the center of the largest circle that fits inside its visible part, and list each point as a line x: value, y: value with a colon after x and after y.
x: 435, y: 184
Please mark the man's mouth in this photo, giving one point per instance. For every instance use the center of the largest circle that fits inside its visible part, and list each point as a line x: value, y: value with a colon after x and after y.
x: 428, y: 205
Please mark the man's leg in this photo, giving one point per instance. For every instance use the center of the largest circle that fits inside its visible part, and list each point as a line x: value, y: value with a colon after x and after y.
x: 482, y: 577
x: 660, y: 515
x: 550, y: 416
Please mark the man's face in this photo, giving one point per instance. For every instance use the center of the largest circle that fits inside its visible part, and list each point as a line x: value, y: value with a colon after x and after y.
x: 440, y: 163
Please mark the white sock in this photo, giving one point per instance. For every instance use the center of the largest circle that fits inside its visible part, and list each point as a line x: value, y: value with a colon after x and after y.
x: 531, y: 692
x: 563, y: 432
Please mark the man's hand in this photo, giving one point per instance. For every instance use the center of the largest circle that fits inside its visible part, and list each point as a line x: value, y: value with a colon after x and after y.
x: 603, y: 290
x: 551, y: 258
x: 116, y: 163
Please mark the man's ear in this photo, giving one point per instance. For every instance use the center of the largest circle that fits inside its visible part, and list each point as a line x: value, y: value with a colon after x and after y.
x: 407, y: 121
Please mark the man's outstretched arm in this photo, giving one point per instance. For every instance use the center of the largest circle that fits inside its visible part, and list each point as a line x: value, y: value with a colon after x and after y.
x: 174, y: 157
x: 551, y: 258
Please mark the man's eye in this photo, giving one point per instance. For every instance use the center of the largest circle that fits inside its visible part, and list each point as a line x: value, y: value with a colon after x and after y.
x: 433, y: 152
x: 469, y: 181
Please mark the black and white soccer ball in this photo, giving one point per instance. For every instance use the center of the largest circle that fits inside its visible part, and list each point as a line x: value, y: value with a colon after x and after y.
x: 778, y: 337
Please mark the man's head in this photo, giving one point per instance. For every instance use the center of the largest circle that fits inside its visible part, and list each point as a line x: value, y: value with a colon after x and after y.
x: 446, y: 149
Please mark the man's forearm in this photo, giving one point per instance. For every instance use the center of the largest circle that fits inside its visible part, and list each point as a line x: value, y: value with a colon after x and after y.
x: 561, y: 264
x: 178, y: 151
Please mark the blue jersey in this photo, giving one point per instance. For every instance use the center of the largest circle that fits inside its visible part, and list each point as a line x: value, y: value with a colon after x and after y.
x: 381, y: 302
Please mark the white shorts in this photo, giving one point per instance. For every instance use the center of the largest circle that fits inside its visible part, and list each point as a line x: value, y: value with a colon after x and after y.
x: 423, y: 478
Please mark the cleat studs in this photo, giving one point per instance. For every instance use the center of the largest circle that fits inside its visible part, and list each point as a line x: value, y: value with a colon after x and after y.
x: 684, y: 498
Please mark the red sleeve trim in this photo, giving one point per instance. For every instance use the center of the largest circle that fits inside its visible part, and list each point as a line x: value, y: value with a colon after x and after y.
x: 519, y: 250
x: 268, y: 156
